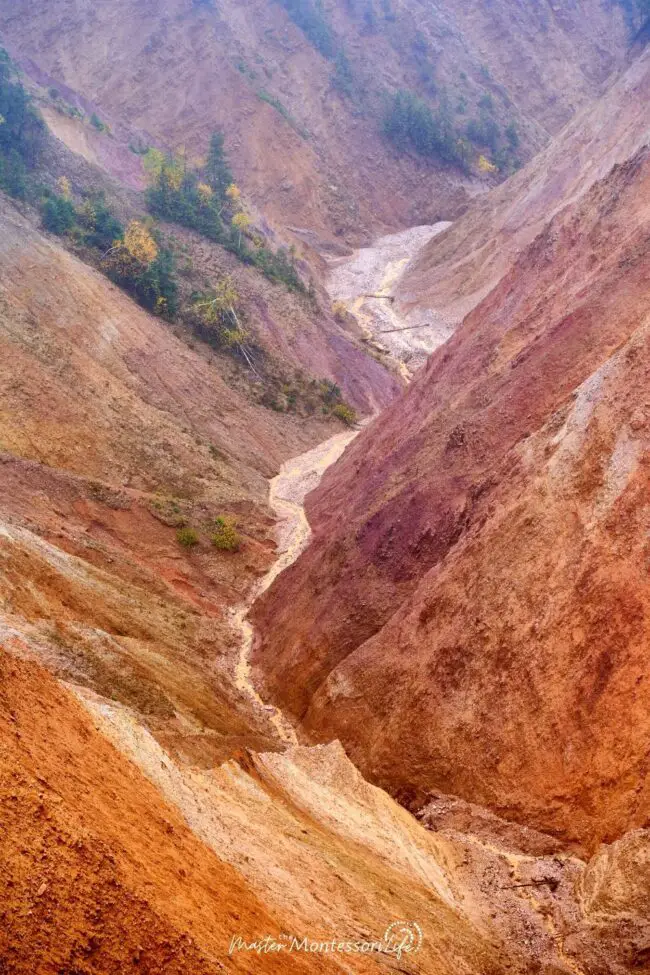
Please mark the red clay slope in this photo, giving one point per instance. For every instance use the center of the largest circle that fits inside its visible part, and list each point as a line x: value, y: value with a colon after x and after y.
x: 472, y: 613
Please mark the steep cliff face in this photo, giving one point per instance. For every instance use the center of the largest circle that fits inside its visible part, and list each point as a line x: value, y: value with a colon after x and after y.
x: 472, y: 614
x: 304, y: 127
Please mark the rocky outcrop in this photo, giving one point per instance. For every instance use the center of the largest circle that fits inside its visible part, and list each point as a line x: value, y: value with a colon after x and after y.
x: 472, y: 613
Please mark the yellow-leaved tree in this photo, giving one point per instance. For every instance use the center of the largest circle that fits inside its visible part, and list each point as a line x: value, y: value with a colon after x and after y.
x: 217, y: 311
x: 205, y: 192
x: 485, y: 165
x: 241, y: 221
x: 157, y: 164
x: 234, y: 195
x: 153, y: 162
x: 139, y: 243
x: 63, y: 186
x: 128, y: 257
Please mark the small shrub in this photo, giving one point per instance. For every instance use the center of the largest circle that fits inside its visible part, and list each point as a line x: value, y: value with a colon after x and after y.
x: 187, y: 537
x: 265, y: 96
x: 58, y: 215
x: 486, y: 102
x: 97, y: 123
x: 512, y: 136
x: 340, y: 311
x: 345, y: 413
x: 226, y: 537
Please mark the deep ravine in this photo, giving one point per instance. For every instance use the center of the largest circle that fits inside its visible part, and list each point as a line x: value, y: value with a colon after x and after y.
x: 375, y: 269
x: 287, y: 492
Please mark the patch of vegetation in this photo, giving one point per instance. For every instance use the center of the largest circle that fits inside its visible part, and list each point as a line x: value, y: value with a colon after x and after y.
x: 187, y: 537
x: 207, y: 200
x: 65, y: 107
x: 215, y: 315
x: 485, y: 134
x: 244, y: 68
x: 133, y: 258
x: 423, y: 57
x: 58, y: 214
x: 99, y: 226
x: 344, y: 412
x: 303, y: 396
x: 139, y: 148
x: 309, y: 16
x: 225, y: 536
x: 342, y: 76
x: 484, y: 131
x: 265, y: 96
x: 512, y: 136
x: 22, y: 131
x: 410, y: 123
x: 147, y: 272
x: 97, y: 123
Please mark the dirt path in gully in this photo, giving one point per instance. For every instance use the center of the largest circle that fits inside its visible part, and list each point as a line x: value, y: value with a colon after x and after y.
x: 375, y: 271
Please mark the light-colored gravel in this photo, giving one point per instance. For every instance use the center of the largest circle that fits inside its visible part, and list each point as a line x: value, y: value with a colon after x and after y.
x: 376, y: 270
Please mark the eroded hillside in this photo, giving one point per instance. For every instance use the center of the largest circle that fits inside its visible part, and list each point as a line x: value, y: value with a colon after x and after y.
x: 303, y: 108
x: 476, y: 619
x: 455, y: 272
x: 468, y: 614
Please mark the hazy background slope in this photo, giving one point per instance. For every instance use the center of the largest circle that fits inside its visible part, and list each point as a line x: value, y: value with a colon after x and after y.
x: 303, y: 127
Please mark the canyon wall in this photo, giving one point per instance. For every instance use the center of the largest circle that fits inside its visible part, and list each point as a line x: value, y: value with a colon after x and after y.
x: 471, y: 615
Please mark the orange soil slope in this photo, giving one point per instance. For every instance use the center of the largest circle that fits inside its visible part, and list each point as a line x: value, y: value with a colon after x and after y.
x: 113, y: 433
x: 99, y: 873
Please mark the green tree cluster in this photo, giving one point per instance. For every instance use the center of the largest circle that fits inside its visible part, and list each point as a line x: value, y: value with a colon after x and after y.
x: 309, y: 16
x: 94, y: 227
x: 205, y: 199
x: 22, y: 131
x: 410, y: 123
